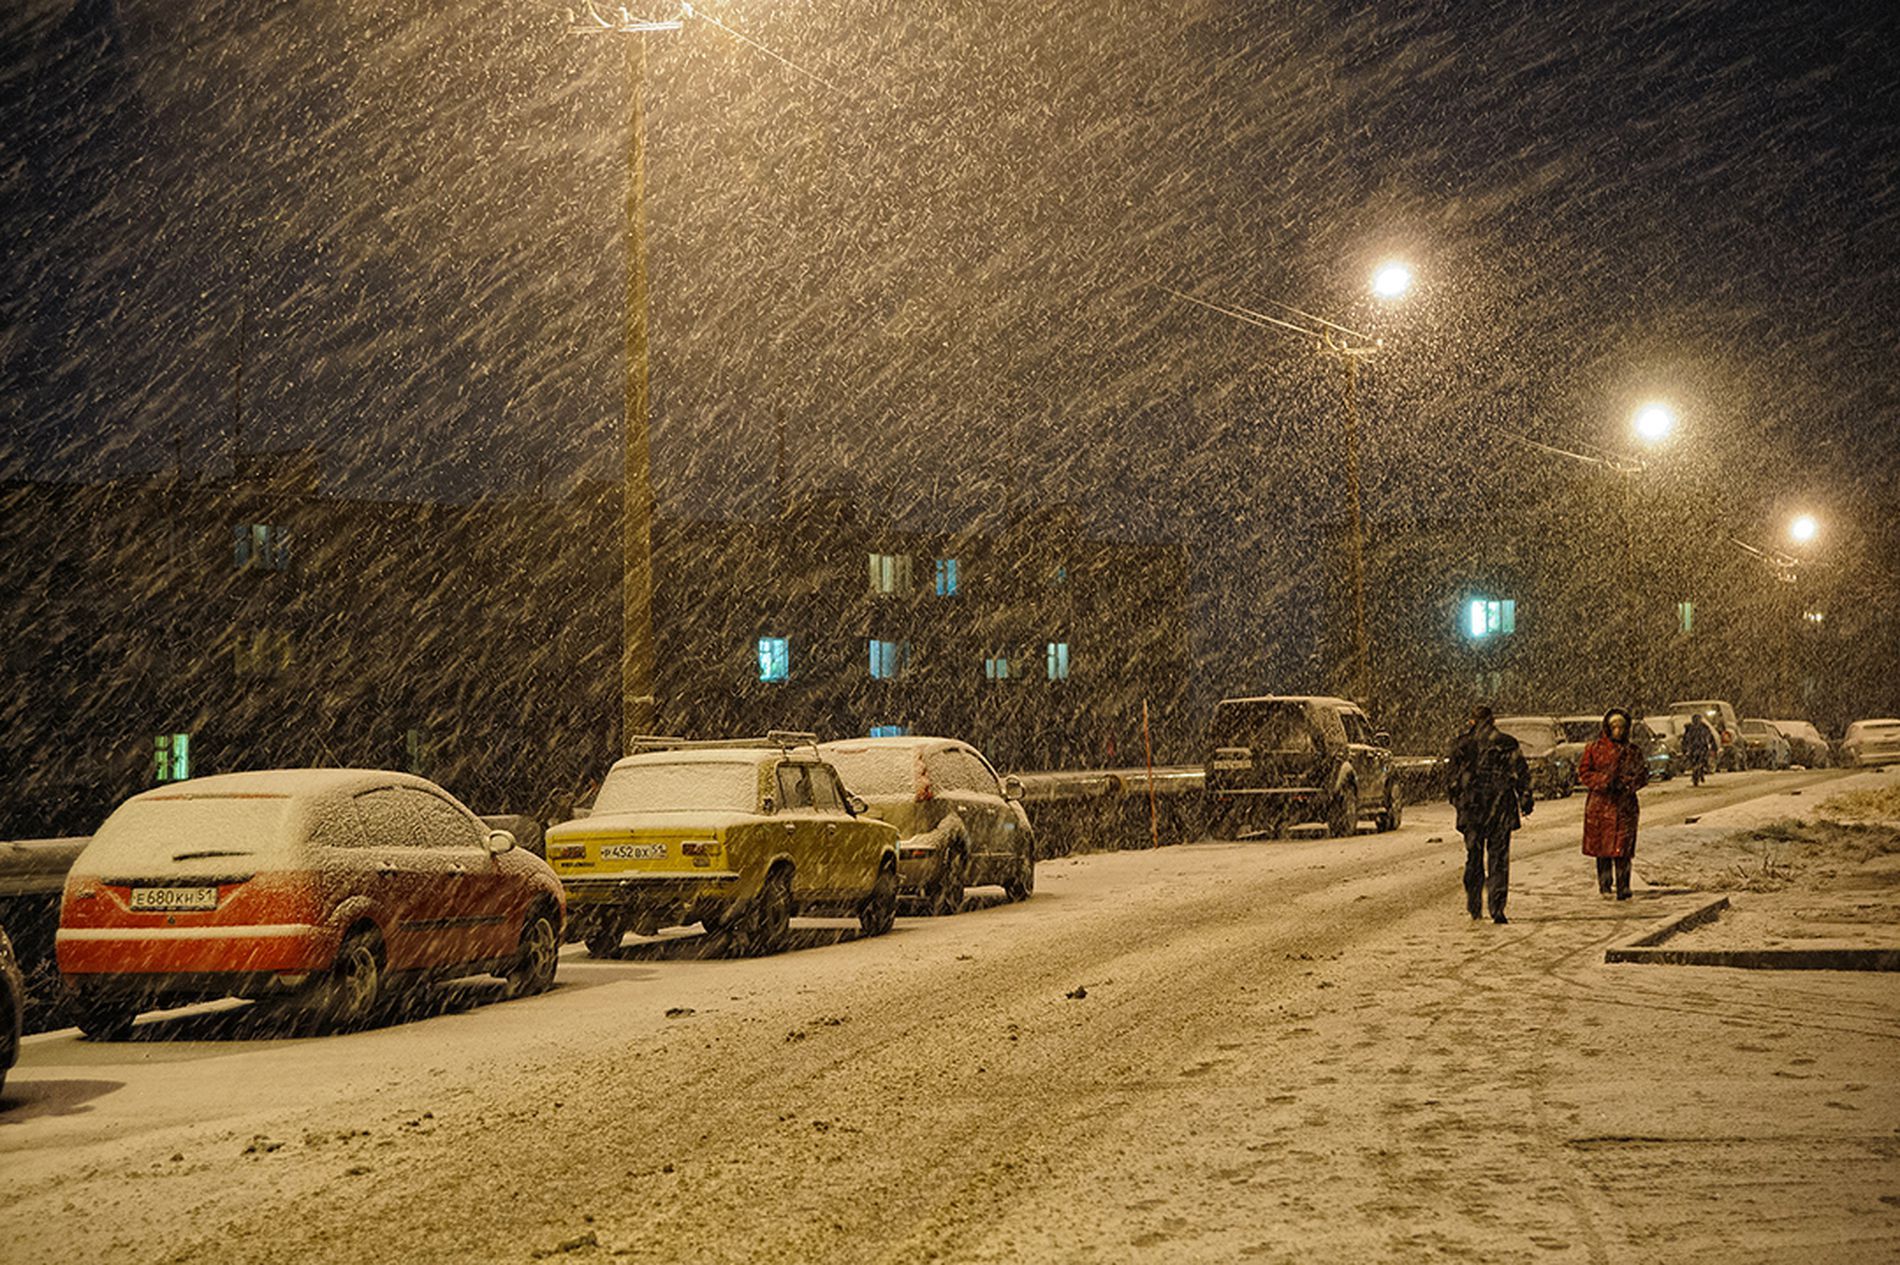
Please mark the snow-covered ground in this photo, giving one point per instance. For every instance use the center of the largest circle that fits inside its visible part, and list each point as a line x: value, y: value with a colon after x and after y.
x: 1294, y: 1051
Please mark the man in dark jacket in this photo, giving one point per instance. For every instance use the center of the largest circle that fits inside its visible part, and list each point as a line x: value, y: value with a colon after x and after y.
x: 1698, y: 747
x: 1490, y: 783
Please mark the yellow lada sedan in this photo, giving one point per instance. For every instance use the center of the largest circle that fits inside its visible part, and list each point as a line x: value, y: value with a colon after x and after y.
x: 739, y: 836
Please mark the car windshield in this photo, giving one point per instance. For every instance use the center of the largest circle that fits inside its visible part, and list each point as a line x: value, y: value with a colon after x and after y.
x: 681, y: 787
x: 1582, y: 730
x: 191, y: 828
x: 1263, y: 727
x: 1529, y: 732
x: 877, y: 772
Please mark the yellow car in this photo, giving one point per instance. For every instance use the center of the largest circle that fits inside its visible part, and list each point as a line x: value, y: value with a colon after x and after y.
x: 738, y: 836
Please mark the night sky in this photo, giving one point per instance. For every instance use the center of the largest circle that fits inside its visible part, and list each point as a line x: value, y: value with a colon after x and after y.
x: 934, y: 250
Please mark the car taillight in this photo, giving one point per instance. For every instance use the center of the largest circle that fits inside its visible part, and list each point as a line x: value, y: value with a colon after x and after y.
x: 699, y: 847
x: 568, y: 852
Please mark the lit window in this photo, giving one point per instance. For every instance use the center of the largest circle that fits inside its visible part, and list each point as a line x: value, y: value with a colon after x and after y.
x: 890, y: 572
x: 996, y: 668
x: 260, y: 547
x: 946, y: 577
x: 889, y: 658
x: 1062, y: 574
x: 1056, y: 660
x: 889, y: 731
x: 171, y: 757
x: 1685, y: 616
x: 775, y: 658
x: 1485, y: 618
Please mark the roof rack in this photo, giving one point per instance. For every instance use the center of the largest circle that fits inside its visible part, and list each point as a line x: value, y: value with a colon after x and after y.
x: 783, y: 739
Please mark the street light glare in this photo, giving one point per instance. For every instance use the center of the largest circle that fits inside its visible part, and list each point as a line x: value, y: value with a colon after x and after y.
x: 1804, y: 529
x: 1654, y: 423
x: 1391, y: 280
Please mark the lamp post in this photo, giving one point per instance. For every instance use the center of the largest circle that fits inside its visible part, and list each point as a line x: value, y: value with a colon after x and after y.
x: 1652, y: 424
x: 1390, y: 281
x: 637, y: 657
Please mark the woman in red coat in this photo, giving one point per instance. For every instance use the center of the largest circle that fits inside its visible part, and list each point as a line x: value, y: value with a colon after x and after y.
x: 1613, y: 769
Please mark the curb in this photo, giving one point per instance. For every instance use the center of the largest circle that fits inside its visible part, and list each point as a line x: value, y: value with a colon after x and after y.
x: 1643, y: 950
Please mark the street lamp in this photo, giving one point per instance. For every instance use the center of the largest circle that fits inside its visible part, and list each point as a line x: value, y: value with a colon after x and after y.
x: 1654, y: 422
x: 1390, y: 280
x: 1803, y: 529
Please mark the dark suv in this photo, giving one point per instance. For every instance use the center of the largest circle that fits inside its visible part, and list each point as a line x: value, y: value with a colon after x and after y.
x: 1279, y: 761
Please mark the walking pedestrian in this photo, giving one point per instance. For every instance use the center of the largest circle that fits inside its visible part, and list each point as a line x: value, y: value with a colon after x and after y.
x: 1489, y: 781
x: 1698, y: 747
x: 1613, y: 769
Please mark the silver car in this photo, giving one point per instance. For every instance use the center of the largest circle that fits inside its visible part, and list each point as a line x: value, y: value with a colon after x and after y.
x: 1871, y: 742
x: 959, y: 825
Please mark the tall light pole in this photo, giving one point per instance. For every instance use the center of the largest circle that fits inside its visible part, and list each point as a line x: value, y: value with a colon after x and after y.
x: 1390, y: 280
x: 1652, y: 424
x: 637, y: 698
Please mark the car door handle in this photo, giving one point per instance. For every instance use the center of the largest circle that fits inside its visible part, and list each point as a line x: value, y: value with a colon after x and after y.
x: 832, y: 828
x: 789, y: 828
x: 387, y: 871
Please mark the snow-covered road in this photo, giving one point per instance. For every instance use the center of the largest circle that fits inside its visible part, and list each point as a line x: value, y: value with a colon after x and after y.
x: 1296, y: 1051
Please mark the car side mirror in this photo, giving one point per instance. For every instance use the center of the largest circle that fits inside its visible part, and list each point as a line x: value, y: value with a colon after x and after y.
x: 1012, y: 787
x: 1382, y: 739
x: 500, y: 841
x: 767, y: 807
x: 855, y: 805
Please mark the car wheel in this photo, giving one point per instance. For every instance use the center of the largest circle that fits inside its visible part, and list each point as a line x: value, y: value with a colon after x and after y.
x: 354, y: 990
x: 1344, y: 819
x: 104, y: 1020
x: 945, y: 896
x: 603, y: 937
x: 537, y: 957
x: 765, y: 927
x: 879, y: 910
x: 1394, y: 814
x: 1023, y: 886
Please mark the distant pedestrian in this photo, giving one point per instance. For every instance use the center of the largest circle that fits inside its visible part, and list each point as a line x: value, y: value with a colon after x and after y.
x: 1698, y: 747
x: 1489, y: 781
x: 1613, y: 769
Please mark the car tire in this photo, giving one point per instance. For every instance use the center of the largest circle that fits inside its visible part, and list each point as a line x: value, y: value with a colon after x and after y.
x: 355, y: 989
x: 104, y: 1020
x: 537, y: 957
x: 1023, y: 885
x: 1394, y: 814
x: 879, y: 909
x: 1343, y: 819
x: 603, y: 937
x: 945, y: 896
x: 766, y: 924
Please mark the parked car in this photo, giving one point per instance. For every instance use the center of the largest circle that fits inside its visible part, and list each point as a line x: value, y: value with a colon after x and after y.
x: 1581, y: 731
x: 739, y: 836
x: 1727, y: 726
x: 1278, y: 760
x: 12, y: 1008
x: 1665, y: 758
x: 1869, y: 742
x: 1551, y: 753
x: 328, y: 887
x: 958, y: 824
x: 1764, y: 747
x: 1811, y: 747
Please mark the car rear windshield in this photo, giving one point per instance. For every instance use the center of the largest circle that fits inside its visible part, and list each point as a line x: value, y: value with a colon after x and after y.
x: 193, y: 829
x: 877, y: 772
x: 1532, y: 733
x: 1264, y: 727
x: 682, y: 787
x: 1582, y: 730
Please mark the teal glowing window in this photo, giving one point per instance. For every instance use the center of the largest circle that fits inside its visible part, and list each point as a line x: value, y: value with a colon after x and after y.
x: 171, y: 757
x: 889, y: 731
x: 889, y: 658
x: 996, y: 668
x: 775, y: 658
x: 1685, y: 616
x: 946, y: 577
x: 1485, y: 617
x: 1056, y: 660
x: 260, y: 547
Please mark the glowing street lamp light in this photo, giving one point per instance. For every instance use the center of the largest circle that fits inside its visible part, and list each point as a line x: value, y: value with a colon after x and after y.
x: 1392, y: 280
x: 1803, y: 529
x: 1654, y: 422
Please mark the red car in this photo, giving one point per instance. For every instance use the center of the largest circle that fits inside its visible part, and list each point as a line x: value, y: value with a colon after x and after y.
x: 326, y: 886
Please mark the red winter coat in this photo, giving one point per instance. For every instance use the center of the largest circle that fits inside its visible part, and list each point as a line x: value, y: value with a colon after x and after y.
x: 1612, y: 772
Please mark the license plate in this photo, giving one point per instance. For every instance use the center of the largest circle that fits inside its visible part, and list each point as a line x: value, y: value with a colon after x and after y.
x: 174, y: 899
x: 633, y: 852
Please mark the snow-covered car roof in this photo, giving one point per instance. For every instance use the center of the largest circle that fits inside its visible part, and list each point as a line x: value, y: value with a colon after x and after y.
x: 1883, y: 722
x: 1317, y: 700
x: 718, y: 755
x: 903, y: 742
x: 288, y: 783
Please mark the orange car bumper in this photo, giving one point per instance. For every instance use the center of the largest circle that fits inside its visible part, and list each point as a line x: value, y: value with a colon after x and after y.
x: 194, y: 951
